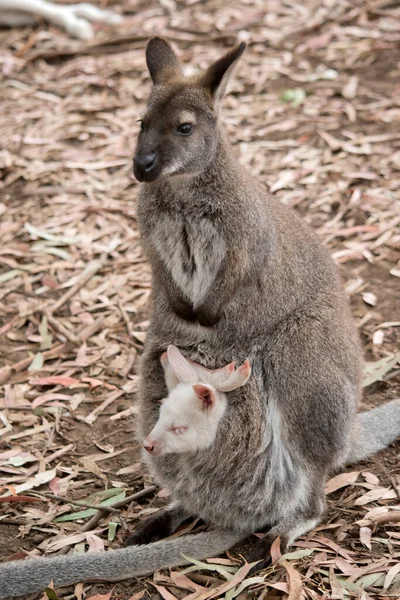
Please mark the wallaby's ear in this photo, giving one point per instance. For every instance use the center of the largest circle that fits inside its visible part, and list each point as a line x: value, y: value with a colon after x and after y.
x: 162, y: 62
x: 206, y: 396
x: 219, y: 376
x: 237, y: 379
x: 164, y: 360
x: 180, y: 366
x: 217, y: 76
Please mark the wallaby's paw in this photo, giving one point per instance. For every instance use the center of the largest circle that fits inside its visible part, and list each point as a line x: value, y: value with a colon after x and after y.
x: 152, y: 529
x: 260, y: 552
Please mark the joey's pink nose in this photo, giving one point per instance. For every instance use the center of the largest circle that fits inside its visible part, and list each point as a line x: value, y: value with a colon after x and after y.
x: 148, y: 445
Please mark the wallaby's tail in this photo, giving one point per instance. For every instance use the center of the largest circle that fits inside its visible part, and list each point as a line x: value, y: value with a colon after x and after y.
x: 376, y: 429
x: 33, y: 575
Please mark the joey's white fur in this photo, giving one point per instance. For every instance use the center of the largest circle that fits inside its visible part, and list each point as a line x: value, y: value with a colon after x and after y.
x: 187, y: 422
x: 189, y: 416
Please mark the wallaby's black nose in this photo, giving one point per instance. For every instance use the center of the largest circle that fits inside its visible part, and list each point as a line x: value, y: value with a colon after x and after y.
x: 145, y: 161
x: 144, y: 166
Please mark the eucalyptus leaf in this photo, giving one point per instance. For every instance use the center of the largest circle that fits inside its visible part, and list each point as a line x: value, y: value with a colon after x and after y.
x: 226, y: 572
x: 47, y: 338
x: 39, y: 247
x: 112, y: 530
x: 103, y: 494
x: 51, y: 594
x: 9, y: 275
x: 88, y: 512
x: 297, y: 554
x: 49, y: 237
x: 376, y: 370
x: 37, y: 362
x: 242, y: 586
x: 371, y: 580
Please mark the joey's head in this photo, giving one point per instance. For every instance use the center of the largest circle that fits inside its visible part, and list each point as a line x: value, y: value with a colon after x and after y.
x: 190, y: 415
x: 188, y: 420
x: 178, y: 134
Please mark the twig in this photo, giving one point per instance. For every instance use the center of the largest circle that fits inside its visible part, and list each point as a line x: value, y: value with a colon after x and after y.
x: 75, y: 502
x: 61, y: 329
x: 94, y: 521
x: 90, y: 270
x: 125, y: 317
x: 142, y: 494
x: 91, y: 329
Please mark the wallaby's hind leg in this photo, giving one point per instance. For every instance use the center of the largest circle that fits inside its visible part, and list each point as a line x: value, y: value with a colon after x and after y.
x: 288, y: 530
x: 157, y: 526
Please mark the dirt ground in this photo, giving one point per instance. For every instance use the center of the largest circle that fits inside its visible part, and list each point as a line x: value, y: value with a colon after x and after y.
x: 314, y: 112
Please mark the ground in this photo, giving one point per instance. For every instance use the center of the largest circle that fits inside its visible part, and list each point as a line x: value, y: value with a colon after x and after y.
x: 314, y: 113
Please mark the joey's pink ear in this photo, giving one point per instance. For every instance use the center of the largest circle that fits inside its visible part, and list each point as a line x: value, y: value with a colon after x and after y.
x: 237, y: 379
x: 164, y: 360
x: 182, y: 368
x: 206, y: 395
x: 219, y: 376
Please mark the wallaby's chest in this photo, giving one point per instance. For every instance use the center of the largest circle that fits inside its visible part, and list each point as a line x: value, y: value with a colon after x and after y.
x: 192, y: 253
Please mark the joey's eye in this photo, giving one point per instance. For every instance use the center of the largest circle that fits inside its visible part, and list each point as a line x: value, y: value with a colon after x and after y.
x: 179, y: 430
x: 185, y: 129
x: 141, y: 124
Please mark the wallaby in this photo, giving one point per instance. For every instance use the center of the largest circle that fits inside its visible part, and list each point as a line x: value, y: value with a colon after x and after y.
x: 189, y: 416
x: 236, y: 275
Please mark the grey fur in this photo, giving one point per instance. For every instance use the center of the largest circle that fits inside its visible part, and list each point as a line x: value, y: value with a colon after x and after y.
x: 266, y: 290
x: 376, y: 429
x: 23, y: 577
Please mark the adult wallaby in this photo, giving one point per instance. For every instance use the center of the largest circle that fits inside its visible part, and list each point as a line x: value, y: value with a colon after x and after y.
x: 236, y: 275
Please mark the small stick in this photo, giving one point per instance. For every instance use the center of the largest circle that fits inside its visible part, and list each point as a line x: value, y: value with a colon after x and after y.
x: 94, y: 521
x: 90, y: 270
x: 61, y: 329
x: 125, y: 317
x: 90, y: 330
x: 76, y: 502
x: 142, y: 494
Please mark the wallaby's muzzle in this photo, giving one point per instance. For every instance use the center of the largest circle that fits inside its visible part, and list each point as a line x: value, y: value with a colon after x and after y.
x: 145, y: 167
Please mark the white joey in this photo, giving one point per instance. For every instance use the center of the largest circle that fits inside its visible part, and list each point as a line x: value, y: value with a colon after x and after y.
x: 190, y: 414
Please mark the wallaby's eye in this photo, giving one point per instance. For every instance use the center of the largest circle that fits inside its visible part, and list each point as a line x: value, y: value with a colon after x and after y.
x: 179, y: 430
x: 185, y: 129
x: 141, y: 124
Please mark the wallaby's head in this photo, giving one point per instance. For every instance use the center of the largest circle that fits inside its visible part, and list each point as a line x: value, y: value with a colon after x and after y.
x: 188, y: 420
x: 179, y: 130
x: 189, y: 416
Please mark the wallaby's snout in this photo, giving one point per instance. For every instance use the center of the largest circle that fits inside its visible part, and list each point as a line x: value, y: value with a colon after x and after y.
x: 145, y: 166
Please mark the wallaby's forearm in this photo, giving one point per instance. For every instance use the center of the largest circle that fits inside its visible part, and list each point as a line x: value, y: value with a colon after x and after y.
x: 33, y: 575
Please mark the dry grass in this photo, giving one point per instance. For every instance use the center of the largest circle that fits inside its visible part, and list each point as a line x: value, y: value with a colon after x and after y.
x: 314, y: 113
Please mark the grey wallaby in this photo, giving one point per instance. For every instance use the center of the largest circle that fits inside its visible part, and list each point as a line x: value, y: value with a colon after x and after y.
x: 236, y: 275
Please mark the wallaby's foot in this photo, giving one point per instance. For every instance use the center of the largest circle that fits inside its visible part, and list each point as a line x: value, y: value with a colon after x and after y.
x: 288, y: 531
x: 261, y: 550
x: 157, y: 526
